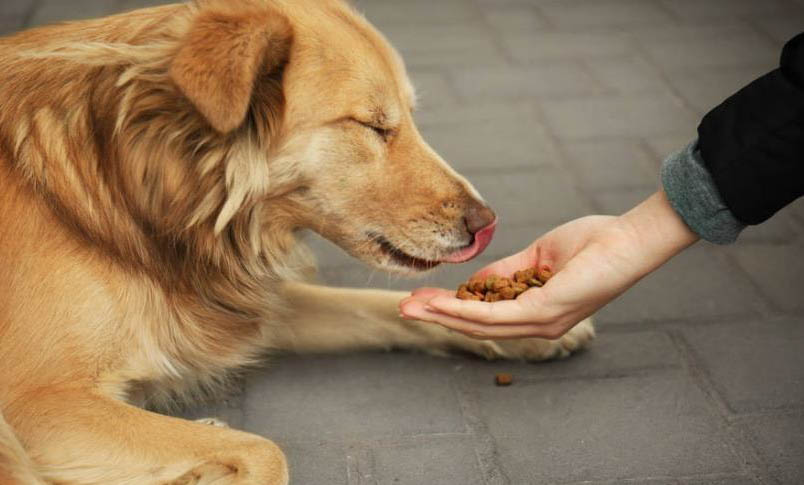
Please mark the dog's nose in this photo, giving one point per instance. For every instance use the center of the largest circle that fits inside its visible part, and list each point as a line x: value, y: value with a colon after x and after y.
x: 478, y: 217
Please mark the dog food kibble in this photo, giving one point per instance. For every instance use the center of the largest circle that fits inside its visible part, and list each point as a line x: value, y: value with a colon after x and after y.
x: 496, y: 288
x: 503, y: 379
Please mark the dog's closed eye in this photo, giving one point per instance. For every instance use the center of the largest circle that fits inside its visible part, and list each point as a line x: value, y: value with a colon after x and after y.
x: 384, y: 133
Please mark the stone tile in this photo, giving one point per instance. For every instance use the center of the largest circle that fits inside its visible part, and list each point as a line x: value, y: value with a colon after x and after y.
x: 385, y: 13
x: 432, y: 89
x: 755, y: 364
x: 352, y: 397
x: 547, y: 79
x: 705, y: 89
x: 696, y: 32
x: 618, y: 116
x: 748, y: 49
x: 423, y: 45
x: 608, y: 13
x: 720, y: 480
x: 779, y: 229
x: 663, y: 146
x: 778, y: 270
x: 572, y: 430
x: 780, y: 442
x: 543, y: 46
x: 125, y: 5
x: 541, y: 195
x: 610, y: 354
x: 695, y: 285
x: 716, y: 9
x: 479, y: 110
x: 627, y: 76
x: 506, y: 144
x: 15, y: 8
x: 9, y: 25
x: 439, y: 461
x: 50, y: 11
x: 513, y: 18
x: 608, y: 164
x: 781, y: 27
x: 316, y: 462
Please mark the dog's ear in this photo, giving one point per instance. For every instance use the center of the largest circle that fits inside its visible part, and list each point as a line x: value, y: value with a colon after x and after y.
x: 221, y: 57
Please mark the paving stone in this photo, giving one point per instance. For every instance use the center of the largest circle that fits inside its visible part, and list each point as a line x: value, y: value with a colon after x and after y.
x: 610, y: 354
x: 50, y: 11
x: 477, y: 111
x: 386, y: 13
x: 506, y: 144
x: 513, y: 18
x: 352, y: 397
x: 316, y: 462
x: 548, y: 79
x: 663, y: 146
x: 9, y: 25
x: 715, y: 9
x: 572, y: 430
x: 632, y: 75
x: 695, y: 285
x: 618, y: 116
x: 432, y: 89
x: 540, y: 195
x: 607, y: 164
x: 609, y: 13
x: 779, y: 229
x: 778, y: 270
x: 125, y: 5
x: 423, y: 45
x: 754, y: 364
x: 15, y: 8
x: 749, y: 49
x: 440, y: 461
x: 780, y: 442
x: 781, y: 27
x: 543, y: 46
x: 705, y: 89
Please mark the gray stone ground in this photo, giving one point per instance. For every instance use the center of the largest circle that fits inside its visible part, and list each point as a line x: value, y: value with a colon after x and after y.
x: 556, y: 109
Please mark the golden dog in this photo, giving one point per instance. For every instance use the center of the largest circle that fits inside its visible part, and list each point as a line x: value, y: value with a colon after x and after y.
x: 155, y: 168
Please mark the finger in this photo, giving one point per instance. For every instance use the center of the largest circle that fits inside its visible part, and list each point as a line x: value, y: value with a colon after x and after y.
x: 497, y: 313
x: 417, y: 310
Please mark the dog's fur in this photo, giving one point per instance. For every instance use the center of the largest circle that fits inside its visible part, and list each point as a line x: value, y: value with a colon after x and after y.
x: 155, y: 168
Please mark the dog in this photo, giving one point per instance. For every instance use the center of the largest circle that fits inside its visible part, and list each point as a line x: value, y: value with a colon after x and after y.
x: 156, y: 168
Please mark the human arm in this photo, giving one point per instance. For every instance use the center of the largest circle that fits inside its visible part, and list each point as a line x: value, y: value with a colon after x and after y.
x: 593, y: 259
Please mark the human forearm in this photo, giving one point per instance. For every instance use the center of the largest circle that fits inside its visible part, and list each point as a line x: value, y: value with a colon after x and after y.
x: 659, y: 231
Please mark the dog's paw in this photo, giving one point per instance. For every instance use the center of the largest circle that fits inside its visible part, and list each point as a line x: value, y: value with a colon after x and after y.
x: 535, y: 349
x: 212, y: 422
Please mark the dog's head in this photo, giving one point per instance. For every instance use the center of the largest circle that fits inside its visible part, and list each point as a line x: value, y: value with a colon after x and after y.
x: 321, y: 108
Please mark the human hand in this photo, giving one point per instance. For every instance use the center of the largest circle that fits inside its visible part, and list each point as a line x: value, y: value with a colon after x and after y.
x: 592, y: 260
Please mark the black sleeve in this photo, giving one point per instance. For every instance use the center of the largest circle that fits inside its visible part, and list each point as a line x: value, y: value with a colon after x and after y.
x: 753, y: 143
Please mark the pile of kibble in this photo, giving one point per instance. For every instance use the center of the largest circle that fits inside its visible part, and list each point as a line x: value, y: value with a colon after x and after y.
x: 495, y: 288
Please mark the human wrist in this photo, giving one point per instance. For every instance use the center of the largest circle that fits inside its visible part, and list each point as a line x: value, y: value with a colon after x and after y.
x: 659, y: 232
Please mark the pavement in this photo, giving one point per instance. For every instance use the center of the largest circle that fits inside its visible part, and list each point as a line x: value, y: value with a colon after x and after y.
x: 557, y: 109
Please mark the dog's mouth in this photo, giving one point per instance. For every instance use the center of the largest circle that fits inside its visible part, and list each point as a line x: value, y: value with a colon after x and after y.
x: 399, y: 257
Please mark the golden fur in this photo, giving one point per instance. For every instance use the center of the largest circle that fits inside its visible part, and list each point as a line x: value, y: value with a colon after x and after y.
x: 155, y: 168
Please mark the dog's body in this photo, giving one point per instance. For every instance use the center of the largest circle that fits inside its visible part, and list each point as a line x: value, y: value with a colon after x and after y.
x: 154, y: 169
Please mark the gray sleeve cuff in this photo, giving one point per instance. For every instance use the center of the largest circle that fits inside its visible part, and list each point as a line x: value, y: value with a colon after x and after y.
x: 693, y: 194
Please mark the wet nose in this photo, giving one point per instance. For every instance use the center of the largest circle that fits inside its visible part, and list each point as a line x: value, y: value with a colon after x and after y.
x: 479, y: 216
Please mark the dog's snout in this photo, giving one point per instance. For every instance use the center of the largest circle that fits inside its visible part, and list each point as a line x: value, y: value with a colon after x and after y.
x: 478, y: 216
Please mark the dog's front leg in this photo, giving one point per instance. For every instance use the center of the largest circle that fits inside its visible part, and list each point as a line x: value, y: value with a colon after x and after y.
x: 337, y: 319
x: 76, y: 436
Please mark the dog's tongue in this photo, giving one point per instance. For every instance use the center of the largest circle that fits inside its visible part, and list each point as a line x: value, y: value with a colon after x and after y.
x: 482, y: 239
